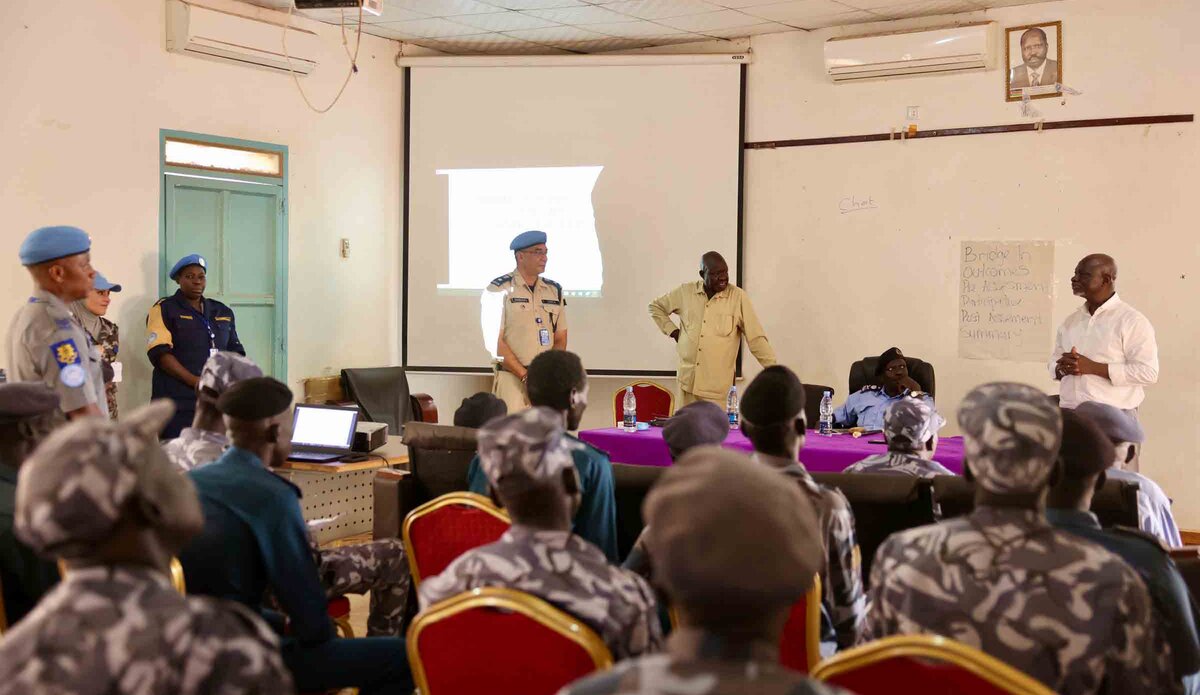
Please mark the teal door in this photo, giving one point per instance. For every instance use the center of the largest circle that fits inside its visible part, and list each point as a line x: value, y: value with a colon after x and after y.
x: 239, y: 229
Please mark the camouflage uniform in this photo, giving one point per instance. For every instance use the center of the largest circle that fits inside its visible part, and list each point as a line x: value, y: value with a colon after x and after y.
x: 1001, y: 579
x: 105, y: 335
x: 909, y: 424
x: 194, y: 448
x: 842, y: 601
x: 377, y: 566
x: 702, y: 663
x: 899, y: 462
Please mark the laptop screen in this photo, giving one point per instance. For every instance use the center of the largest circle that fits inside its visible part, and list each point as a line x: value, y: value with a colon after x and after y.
x: 324, y: 426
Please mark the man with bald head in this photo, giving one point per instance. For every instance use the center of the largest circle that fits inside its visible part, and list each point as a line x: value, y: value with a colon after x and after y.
x: 1003, y: 580
x: 714, y: 315
x: 1106, y: 350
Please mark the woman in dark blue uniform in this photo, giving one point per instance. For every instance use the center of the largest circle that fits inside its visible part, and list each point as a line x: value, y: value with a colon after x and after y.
x: 182, y: 331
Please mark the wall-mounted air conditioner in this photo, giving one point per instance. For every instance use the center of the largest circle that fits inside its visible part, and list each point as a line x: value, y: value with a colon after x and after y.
x: 925, y: 52
x: 200, y: 31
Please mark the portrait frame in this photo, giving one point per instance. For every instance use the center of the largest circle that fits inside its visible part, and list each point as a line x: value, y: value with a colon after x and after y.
x: 1014, y: 61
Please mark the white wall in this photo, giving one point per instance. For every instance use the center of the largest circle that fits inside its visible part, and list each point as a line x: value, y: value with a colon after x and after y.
x: 86, y: 86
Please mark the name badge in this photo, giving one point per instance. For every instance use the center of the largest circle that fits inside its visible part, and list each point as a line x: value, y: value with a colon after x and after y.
x: 519, y: 300
x: 212, y: 351
x: 544, y: 336
x: 116, y: 367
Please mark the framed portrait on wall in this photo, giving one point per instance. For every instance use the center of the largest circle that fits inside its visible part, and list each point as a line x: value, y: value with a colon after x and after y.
x: 1033, y: 56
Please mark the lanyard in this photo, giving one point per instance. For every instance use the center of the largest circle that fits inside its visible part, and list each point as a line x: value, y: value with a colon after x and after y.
x: 212, y: 337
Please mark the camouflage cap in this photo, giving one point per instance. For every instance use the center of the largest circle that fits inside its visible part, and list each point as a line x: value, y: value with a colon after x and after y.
x: 911, y: 418
x: 76, y: 485
x: 1011, y: 435
x: 696, y: 424
x: 530, y: 443
x: 224, y: 369
x: 727, y: 536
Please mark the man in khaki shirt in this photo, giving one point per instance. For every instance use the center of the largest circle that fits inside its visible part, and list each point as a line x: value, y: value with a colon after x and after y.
x: 533, y: 318
x: 713, y: 317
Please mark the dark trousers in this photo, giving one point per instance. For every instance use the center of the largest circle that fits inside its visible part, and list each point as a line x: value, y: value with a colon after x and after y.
x: 374, y: 665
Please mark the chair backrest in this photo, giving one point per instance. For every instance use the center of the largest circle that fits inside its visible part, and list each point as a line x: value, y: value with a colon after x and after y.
x: 882, y: 504
x: 518, y: 645
x: 438, y: 459
x: 329, y: 390
x: 630, y: 485
x: 800, y: 644
x: 927, y: 664
x: 1115, y: 503
x: 812, y: 402
x: 862, y: 373
x: 381, y: 394
x: 652, y: 401
x: 437, y: 532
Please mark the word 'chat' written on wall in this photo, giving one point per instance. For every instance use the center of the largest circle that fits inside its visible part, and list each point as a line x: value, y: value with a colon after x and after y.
x: 1005, y: 300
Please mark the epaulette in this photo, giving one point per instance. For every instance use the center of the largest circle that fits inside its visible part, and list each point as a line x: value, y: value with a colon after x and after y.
x: 1139, y: 534
x: 555, y: 285
x: 502, y: 279
x: 161, y: 300
x: 870, y: 387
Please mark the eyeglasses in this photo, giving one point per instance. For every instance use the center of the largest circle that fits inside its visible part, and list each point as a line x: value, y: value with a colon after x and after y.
x: 536, y: 252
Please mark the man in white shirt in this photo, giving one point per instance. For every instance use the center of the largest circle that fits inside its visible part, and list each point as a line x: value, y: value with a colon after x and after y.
x: 1105, y: 351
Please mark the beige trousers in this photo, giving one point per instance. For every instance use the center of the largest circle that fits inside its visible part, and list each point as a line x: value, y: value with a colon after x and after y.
x: 508, y: 388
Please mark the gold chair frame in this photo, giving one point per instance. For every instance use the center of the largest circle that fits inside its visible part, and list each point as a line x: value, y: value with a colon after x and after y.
x: 812, y: 623
x: 512, y: 600
x: 937, y: 648
x: 466, y: 499
x: 176, y: 573
x: 670, y: 393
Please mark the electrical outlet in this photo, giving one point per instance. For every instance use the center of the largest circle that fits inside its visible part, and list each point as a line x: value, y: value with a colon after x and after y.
x: 345, y: 248
x: 914, y: 113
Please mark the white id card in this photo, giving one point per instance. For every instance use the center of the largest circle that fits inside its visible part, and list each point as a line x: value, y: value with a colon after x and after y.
x: 212, y: 351
x: 544, y: 336
x: 116, y: 367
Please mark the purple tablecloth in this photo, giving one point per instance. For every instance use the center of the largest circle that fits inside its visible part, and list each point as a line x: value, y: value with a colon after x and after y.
x: 820, y: 454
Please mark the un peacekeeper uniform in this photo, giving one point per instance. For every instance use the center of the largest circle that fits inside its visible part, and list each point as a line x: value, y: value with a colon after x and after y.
x: 1147, y: 556
x: 1002, y: 579
x: 557, y: 566
x: 866, y: 407
x: 596, y: 519
x: 46, y: 342
x: 174, y: 327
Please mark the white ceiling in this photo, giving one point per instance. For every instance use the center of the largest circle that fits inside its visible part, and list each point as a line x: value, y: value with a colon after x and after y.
x: 507, y: 27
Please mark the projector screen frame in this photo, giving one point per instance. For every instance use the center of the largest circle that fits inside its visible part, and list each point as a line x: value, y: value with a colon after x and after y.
x: 405, y: 197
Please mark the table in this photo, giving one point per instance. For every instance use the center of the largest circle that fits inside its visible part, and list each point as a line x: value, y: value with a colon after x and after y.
x: 344, y: 490
x: 820, y: 454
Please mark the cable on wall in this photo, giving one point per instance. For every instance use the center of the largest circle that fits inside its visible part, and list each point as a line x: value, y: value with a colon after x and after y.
x: 345, y: 46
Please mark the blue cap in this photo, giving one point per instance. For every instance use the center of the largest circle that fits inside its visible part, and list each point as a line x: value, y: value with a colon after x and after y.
x: 50, y: 243
x: 190, y: 259
x: 102, y: 283
x: 526, y: 239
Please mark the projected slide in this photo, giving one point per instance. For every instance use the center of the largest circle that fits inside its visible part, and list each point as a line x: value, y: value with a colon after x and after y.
x: 488, y: 207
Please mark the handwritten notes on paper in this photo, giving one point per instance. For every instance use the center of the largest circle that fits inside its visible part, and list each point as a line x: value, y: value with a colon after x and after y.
x: 1005, y: 300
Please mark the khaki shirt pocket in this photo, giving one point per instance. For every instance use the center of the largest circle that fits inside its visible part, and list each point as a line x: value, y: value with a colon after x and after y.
x: 724, y: 325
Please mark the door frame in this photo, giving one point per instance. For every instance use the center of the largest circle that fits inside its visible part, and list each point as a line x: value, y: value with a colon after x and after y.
x: 280, y: 347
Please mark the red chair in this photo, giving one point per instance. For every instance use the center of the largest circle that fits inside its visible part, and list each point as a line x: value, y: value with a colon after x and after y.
x: 440, y: 530
x: 652, y: 401
x: 928, y: 664
x: 800, y: 647
x: 517, y: 644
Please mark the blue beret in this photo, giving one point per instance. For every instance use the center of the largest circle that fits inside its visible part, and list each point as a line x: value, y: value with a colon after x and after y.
x: 1117, y: 424
x: 50, y: 243
x: 190, y: 259
x: 526, y: 239
x: 102, y: 283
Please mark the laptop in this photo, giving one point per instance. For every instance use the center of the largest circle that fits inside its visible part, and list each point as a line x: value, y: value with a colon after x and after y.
x: 322, y: 433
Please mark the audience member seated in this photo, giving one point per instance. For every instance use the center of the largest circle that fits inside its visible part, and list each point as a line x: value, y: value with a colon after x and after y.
x: 28, y: 413
x: 476, y: 410
x: 255, y: 540
x: 700, y: 423
x: 556, y: 379
x: 1125, y: 433
x: 773, y: 420
x: 910, y: 428
x: 102, y: 497
x: 734, y: 550
x: 527, y: 459
x: 866, y: 407
x: 1085, y: 455
x: 1001, y: 579
x: 205, y: 440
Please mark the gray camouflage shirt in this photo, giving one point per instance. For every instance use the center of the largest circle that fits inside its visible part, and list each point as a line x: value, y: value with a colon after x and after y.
x: 899, y: 462
x: 194, y: 448
x: 1061, y: 609
x: 125, y: 631
x: 568, y: 572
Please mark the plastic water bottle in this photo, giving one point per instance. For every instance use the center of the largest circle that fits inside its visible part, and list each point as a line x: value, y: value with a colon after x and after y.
x: 826, y: 423
x: 630, y: 407
x: 731, y: 407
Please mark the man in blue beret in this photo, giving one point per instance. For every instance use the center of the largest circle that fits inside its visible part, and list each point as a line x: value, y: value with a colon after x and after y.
x: 182, y: 332
x: 46, y: 341
x: 532, y: 314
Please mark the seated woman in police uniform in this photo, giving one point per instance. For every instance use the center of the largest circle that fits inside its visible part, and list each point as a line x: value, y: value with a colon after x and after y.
x: 182, y: 331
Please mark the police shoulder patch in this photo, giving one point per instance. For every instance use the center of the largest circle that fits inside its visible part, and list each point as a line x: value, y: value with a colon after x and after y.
x: 65, y: 352
x: 502, y: 280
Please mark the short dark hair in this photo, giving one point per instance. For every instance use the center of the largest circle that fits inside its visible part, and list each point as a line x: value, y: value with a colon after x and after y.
x: 1034, y: 30
x: 1086, y: 451
x: 551, y: 378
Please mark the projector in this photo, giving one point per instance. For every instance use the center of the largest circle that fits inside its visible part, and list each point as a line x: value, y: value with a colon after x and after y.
x: 374, y: 7
x: 369, y: 436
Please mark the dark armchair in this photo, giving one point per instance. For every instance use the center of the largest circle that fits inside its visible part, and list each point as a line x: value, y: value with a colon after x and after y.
x: 862, y: 373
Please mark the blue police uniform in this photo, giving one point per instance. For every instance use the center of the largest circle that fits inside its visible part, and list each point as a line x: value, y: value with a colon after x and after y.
x: 596, y: 519
x: 174, y: 327
x: 255, y: 540
x: 867, y: 407
x: 1146, y: 555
